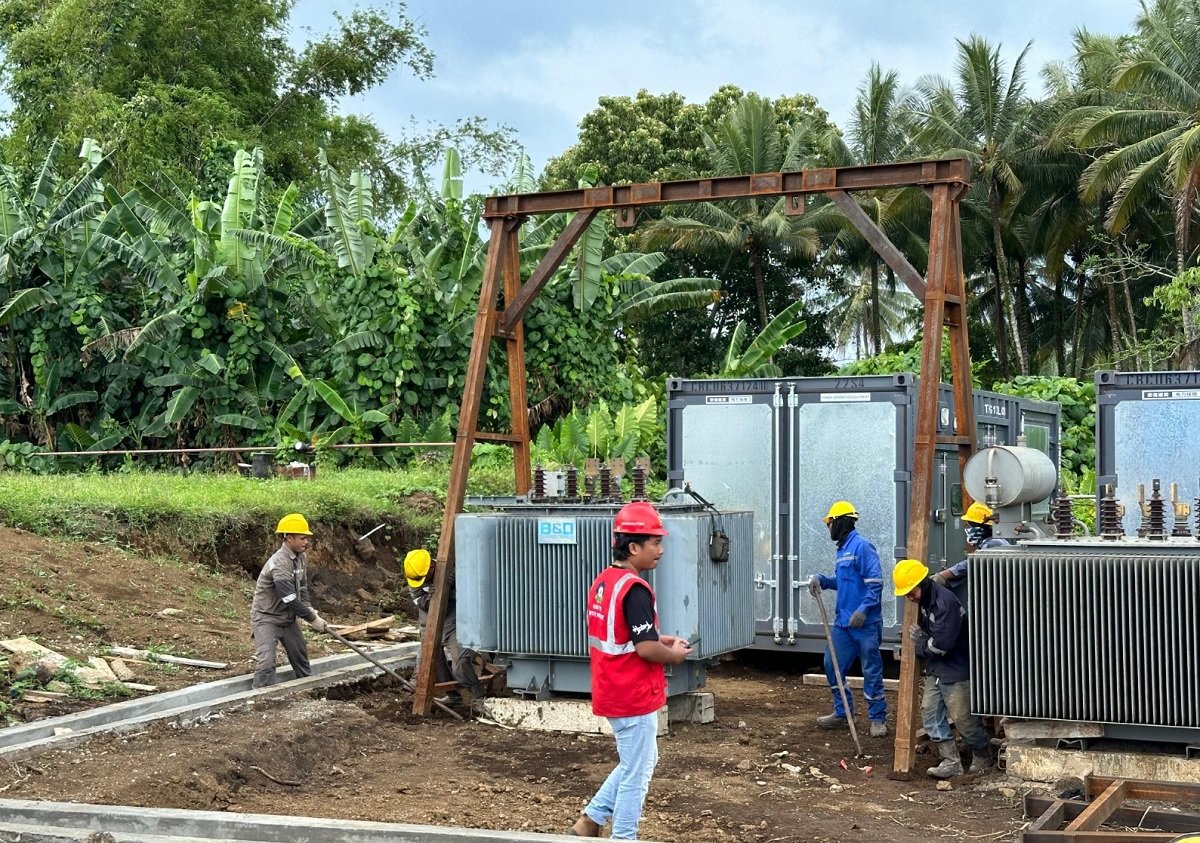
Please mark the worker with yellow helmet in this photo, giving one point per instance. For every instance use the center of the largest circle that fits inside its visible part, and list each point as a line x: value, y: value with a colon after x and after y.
x: 940, y: 641
x: 461, y: 664
x: 857, y: 629
x: 977, y: 524
x: 280, y: 601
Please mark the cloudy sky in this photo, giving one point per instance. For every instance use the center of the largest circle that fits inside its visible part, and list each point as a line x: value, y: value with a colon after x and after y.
x: 539, y: 66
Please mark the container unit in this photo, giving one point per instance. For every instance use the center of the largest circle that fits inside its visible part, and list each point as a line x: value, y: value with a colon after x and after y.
x: 1089, y: 630
x: 1146, y: 424
x: 523, y: 572
x: 786, y: 449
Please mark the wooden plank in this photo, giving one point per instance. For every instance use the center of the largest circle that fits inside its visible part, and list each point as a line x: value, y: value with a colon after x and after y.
x: 169, y: 659
x: 1051, y: 818
x: 1095, y: 814
x: 380, y: 624
x: 820, y: 680
x: 1144, y: 789
x: 42, y: 696
x: 1097, y: 836
x: 1173, y: 821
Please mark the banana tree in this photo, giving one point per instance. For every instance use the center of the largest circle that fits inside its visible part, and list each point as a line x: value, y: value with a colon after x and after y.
x: 754, y: 359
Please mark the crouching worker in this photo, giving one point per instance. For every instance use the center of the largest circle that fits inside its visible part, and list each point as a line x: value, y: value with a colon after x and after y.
x: 280, y: 601
x: 940, y: 641
x: 629, y: 683
x: 461, y: 664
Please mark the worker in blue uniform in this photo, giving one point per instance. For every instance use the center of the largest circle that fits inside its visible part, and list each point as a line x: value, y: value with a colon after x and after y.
x: 858, y: 623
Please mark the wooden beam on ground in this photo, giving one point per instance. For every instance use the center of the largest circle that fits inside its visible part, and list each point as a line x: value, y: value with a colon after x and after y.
x: 1098, y: 811
x: 1176, y: 822
x: 380, y: 624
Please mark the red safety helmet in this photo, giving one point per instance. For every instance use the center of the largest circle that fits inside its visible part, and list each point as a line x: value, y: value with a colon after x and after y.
x: 639, y: 518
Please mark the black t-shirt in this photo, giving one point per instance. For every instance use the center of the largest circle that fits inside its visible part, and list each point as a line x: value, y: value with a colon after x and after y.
x: 639, y: 613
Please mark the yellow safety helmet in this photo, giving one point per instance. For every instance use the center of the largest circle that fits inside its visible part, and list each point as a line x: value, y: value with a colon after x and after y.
x: 978, y: 513
x: 294, y: 524
x: 907, y: 575
x: 841, y: 508
x: 416, y: 567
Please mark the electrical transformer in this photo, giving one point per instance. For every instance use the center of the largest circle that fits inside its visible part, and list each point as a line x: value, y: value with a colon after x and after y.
x: 523, y: 572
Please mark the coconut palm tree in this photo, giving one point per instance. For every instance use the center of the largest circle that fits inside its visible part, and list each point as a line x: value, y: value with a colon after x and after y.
x: 879, y: 131
x: 750, y: 139
x: 1151, y: 145
x: 983, y: 115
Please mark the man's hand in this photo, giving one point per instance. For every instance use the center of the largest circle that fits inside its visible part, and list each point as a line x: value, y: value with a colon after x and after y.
x: 940, y: 577
x: 814, y: 587
x: 858, y: 619
x: 680, y: 648
x: 916, y: 633
x: 319, y: 624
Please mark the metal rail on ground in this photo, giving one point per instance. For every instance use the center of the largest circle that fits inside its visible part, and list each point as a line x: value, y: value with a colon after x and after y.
x: 191, y: 703
x: 73, y: 821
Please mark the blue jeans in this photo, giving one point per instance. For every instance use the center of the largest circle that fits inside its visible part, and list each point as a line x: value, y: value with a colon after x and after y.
x: 939, y: 699
x: 624, y: 791
x: 861, y: 645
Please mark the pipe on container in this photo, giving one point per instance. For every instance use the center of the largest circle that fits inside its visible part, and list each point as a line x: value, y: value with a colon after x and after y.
x: 793, y: 514
x: 776, y: 512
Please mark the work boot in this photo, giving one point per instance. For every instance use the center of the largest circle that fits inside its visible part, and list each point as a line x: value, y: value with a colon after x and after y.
x: 832, y: 721
x: 981, y: 760
x: 878, y: 729
x: 951, y: 764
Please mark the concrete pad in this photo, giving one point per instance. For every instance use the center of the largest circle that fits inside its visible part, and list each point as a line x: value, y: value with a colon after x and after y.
x: 164, y: 824
x: 188, y: 705
x: 692, y: 707
x: 1043, y: 764
x: 557, y: 715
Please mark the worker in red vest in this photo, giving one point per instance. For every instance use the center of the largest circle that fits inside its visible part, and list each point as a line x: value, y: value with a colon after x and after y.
x: 629, y: 683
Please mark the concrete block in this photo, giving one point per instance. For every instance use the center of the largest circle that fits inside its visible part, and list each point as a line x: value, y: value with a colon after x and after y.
x: 1043, y: 764
x: 557, y: 715
x: 1029, y: 730
x: 692, y: 707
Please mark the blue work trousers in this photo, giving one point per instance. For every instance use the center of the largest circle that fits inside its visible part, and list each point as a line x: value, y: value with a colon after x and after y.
x: 621, y: 796
x: 939, y: 699
x: 861, y: 645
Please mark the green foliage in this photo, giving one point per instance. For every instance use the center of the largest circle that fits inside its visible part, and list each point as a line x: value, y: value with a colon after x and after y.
x: 1078, y: 401
x: 753, y: 360
x: 598, y: 432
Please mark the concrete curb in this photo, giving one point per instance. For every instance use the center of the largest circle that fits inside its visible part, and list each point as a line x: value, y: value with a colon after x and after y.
x: 189, y: 704
x: 65, y: 821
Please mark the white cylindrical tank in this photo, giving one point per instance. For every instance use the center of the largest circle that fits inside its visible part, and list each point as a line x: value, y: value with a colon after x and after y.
x: 1011, y: 474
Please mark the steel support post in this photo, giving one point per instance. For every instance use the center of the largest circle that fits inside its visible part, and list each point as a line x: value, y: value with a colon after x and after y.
x: 944, y: 306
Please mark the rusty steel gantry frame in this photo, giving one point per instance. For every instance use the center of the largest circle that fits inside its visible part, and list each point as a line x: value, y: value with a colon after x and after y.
x: 942, y: 293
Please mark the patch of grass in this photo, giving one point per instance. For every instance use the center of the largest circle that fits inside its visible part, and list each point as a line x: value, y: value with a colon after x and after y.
x: 199, y: 506
x: 207, y: 595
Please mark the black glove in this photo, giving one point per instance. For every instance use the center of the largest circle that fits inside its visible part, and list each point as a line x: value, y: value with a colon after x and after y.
x: 858, y: 619
x: 940, y: 578
x: 814, y: 587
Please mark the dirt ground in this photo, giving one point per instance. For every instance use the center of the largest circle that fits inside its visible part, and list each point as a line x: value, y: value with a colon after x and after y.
x: 761, y: 772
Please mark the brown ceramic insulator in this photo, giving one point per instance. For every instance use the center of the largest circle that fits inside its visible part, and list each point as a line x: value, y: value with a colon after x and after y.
x: 1156, y: 520
x: 1110, y: 516
x: 572, y: 482
x: 1063, y: 514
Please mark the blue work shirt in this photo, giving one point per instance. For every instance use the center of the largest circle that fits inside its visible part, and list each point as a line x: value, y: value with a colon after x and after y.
x: 857, y: 579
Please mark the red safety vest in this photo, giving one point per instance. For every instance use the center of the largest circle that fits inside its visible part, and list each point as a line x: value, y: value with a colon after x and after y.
x: 623, y: 683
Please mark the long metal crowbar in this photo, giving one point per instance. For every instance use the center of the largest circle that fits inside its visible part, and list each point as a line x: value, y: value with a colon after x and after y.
x: 404, y: 683
x: 837, y: 672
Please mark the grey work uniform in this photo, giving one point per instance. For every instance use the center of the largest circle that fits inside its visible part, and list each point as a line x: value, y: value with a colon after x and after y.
x: 280, y: 598
x: 461, y: 666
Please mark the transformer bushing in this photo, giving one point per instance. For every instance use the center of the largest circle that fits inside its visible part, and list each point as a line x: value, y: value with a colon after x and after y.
x: 589, y: 487
x: 539, y: 483
x: 606, y: 493
x: 1063, y: 514
x: 639, y: 483
x: 572, y: 482
x: 1154, y: 525
x: 1110, y: 516
x: 1196, y: 511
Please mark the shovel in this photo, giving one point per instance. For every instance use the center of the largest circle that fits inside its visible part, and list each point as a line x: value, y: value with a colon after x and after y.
x: 404, y: 683
x: 837, y: 672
